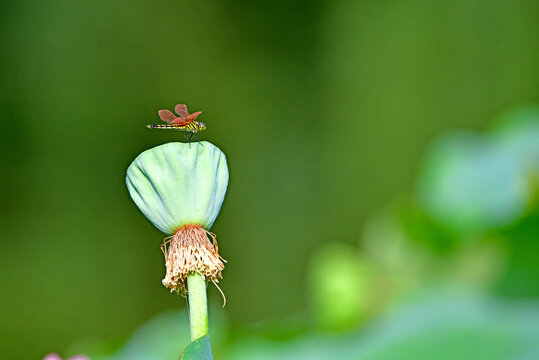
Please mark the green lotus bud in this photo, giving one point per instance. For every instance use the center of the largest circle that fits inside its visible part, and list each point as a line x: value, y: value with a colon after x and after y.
x: 180, y: 188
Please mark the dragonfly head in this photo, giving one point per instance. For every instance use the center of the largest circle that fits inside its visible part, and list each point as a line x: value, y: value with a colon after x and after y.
x: 201, y: 126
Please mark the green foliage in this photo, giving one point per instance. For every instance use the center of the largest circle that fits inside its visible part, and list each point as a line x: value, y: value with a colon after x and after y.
x: 521, y: 273
x: 476, y: 182
x: 340, y: 287
x: 162, y: 337
x: 443, y: 325
x: 198, y: 350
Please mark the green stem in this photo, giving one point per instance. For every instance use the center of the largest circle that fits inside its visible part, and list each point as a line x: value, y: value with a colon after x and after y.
x: 198, y: 305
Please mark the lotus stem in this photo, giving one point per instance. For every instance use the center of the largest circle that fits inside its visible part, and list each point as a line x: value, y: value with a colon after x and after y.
x: 198, y: 305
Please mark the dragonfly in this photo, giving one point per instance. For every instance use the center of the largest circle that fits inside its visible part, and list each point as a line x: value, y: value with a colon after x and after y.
x: 182, y: 122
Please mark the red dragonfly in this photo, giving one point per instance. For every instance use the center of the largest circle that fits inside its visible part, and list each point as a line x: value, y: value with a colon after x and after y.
x: 183, y: 122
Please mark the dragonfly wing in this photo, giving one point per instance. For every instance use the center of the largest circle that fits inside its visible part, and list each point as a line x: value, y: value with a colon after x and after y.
x: 166, y: 116
x: 180, y: 121
x: 193, y: 116
x: 181, y: 110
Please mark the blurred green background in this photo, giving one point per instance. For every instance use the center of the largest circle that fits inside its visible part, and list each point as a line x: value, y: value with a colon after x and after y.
x: 352, y: 189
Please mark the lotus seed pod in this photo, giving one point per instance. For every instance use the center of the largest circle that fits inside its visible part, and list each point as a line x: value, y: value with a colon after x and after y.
x: 180, y: 188
x: 177, y: 184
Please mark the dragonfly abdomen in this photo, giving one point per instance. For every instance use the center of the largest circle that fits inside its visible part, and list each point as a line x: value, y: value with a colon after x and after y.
x: 169, y: 126
x: 192, y: 127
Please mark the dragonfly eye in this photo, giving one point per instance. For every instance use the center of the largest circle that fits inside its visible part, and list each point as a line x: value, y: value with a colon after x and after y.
x: 202, y: 125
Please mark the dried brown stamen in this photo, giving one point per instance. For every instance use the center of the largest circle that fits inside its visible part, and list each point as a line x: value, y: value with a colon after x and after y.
x: 188, y: 251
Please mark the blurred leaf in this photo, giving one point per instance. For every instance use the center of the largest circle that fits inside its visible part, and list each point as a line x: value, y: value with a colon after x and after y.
x: 422, y: 230
x: 198, y: 350
x: 477, y: 264
x: 476, y: 182
x: 441, y: 325
x: 408, y: 249
x: 522, y: 274
x: 400, y: 262
x: 95, y: 348
x: 161, y: 338
x: 340, y: 286
x: 518, y: 129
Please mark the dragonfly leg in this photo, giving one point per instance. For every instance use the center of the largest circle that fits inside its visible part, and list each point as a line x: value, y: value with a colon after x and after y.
x: 186, y: 137
x: 196, y: 138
